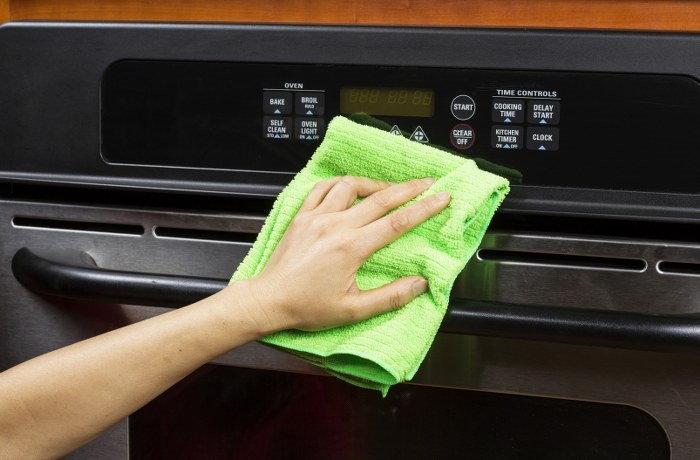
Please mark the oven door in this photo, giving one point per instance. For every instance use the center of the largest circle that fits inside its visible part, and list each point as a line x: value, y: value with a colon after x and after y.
x: 515, y: 373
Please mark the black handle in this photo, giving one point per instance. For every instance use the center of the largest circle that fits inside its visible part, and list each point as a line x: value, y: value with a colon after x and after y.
x: 84, y: 280
x: 80, y: 278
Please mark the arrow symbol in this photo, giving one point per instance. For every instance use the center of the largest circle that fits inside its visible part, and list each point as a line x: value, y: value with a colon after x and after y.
x: 542, y: 122
x: 277, y: 111
x: 507, y: 120
x: 541, y: 148
x: 309, y: 112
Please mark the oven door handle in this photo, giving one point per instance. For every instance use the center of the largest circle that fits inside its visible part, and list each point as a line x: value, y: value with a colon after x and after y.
x: 78, y: 277
x: 75, y: 275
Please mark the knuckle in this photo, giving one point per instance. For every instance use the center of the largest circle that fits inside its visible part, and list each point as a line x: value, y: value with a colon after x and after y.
x: 352, y: 247
x: 428, y: 204
x: 398, y: 222
x: 395, y: 300
x: 417, y: 185
x: 320, y: 226
x: 322, y: 184
x: 348, y: 181
x: 381, y: 200
x: 346, y: 243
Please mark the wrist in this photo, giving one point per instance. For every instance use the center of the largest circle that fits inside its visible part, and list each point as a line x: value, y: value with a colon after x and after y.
x: 256, y: 305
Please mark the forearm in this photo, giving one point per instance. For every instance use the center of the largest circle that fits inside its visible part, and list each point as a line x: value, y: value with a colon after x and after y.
x: 56, y: 402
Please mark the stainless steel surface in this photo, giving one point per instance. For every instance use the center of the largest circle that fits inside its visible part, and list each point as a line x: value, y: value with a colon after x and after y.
x: 665, y: 385
x: 645, y: 291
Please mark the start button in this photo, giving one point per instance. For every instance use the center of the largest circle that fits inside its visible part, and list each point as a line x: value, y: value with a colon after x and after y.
x: 463, y: 107
x: 462, y: 136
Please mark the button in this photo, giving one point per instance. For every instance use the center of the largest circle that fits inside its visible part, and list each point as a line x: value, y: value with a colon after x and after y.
x: 395, y: 130
x: 310, y: 104
x: 308, y: 129
x: 508, y: 110
x: 543, y: 112
x: 463, y: 107
x: 507, y: 137
x: 462, y: 136
x: 277, y: 102
x: 419, y: 135
x: 539, y: 138
x: 277, y: 127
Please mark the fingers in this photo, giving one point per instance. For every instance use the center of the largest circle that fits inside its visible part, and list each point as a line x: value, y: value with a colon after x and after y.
x: 380, y: 203
x: 392, y: 296
x: 385, y: 230
x: 346, y: 190
x: 318, y: 193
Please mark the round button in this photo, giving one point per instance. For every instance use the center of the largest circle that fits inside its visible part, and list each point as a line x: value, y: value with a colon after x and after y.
x: 462, y: 136
x: 463, y: 107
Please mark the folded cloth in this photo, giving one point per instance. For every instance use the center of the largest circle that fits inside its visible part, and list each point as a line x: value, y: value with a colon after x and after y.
x: 387, y: 349
x: 513, y: 175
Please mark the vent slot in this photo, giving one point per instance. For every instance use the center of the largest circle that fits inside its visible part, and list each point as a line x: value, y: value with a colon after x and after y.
x: 77, y: 226
x: 597, y: 227
x: 152, y: 199
x: 207, y: 235
x: 681, y: 268
x: 562, y: 260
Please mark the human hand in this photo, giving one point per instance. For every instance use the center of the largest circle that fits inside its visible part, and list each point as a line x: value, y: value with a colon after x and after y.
x: 309, y: 281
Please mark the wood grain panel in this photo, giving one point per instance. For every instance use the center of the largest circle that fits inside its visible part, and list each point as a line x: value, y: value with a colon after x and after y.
x: 590, y: 14
x: 4, y: 10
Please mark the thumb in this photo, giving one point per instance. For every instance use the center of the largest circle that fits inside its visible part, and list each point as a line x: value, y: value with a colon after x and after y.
x: 389, y: 297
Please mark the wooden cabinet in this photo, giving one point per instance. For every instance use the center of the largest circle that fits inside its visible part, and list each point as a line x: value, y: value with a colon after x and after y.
x: 676, y: 15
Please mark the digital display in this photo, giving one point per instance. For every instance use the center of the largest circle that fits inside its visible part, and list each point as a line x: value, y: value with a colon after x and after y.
x: 400, y: 102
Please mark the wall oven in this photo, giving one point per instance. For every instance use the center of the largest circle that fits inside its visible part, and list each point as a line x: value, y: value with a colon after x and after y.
x: 138, y: 161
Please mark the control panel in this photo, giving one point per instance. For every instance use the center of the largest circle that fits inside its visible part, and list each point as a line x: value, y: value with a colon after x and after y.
x: 511, y: 129
x: 553, y: 129
x: 297, y: 115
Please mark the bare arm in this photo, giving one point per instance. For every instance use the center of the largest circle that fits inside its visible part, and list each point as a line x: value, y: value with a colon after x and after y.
x: 56, y: 402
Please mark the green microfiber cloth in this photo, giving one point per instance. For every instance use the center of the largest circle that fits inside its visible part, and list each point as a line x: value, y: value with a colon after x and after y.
x: 513, y: 175
x: 387, y: 349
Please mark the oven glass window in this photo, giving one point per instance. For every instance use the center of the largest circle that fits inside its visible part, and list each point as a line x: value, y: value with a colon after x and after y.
x: 225, y: 412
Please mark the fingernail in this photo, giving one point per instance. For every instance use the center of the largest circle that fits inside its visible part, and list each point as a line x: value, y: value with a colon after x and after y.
x: 419, y: 287
x: 429, y: 180
x: 443, y: 196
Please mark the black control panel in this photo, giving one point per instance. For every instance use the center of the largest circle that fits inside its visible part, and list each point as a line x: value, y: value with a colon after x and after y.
x: 633, y: 132
x: 307, y: 107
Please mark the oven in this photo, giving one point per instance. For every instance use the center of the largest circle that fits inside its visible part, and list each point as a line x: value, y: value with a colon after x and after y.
x: 138, y: 162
